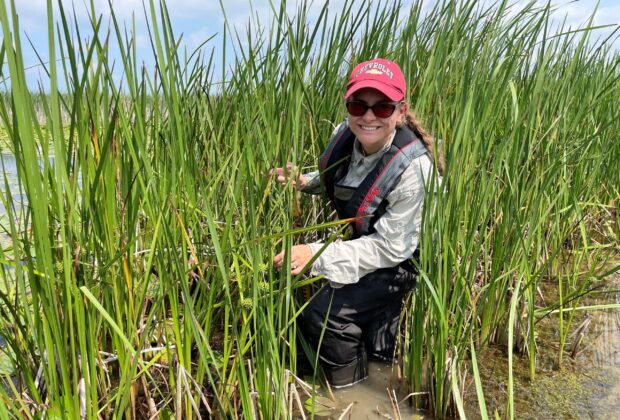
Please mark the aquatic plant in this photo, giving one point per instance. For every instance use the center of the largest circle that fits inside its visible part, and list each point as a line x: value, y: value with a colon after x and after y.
x: 138, y: 280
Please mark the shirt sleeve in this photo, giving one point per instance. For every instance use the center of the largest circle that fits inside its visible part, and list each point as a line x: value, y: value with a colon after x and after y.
x: 313, y: 183
x: 395, y: 238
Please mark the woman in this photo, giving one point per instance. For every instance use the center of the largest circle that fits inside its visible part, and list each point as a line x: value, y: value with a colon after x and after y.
x: 373, y: 170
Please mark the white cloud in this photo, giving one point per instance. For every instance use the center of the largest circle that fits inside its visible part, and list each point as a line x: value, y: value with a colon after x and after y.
x: 577, y: 15
x: 609, y: 15
x: 198, y: 20
x: 207, y: 13
x: 195, y: 38
x: 33, y: 13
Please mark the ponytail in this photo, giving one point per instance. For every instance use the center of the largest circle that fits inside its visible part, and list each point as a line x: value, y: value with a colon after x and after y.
x: 415, y: 125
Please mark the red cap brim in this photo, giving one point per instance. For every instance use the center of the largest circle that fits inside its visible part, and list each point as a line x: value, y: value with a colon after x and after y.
x: 391, y: 92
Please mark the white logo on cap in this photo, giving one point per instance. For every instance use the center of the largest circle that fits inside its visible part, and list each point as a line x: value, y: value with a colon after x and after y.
x: 375, y: 68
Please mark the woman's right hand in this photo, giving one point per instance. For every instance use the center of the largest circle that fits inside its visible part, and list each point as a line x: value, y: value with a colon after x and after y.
x: 290, y: 174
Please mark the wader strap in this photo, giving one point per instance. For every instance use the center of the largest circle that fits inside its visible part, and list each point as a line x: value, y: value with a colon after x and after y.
x: 382, y: 179
x: 338, y: 151
x: 367, y: 203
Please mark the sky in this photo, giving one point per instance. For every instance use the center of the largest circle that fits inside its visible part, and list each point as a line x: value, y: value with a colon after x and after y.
x: 198, y: 20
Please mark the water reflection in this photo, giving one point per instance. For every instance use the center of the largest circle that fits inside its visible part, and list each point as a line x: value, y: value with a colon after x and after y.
x: 586, y: 386
x: 600, y: 356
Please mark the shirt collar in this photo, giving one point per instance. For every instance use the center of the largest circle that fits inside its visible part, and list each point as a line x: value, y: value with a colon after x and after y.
x: 358, y: 154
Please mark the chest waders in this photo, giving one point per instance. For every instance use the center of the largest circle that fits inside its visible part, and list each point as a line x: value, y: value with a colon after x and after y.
x: 360, y: 320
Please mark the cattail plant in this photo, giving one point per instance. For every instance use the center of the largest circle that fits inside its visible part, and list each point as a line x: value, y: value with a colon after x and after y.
x: 137, y: 280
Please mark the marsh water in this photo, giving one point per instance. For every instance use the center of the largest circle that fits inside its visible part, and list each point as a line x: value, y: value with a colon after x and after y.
x: 370, y: 399
x: 586, y: 385
x: 9, y: 166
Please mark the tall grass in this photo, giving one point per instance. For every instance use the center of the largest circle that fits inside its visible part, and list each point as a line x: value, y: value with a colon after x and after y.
x: 529, y: 121
x: 139, y: 277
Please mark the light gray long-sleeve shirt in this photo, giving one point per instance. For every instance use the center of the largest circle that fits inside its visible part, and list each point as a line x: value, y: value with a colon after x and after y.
x: 396, y: 233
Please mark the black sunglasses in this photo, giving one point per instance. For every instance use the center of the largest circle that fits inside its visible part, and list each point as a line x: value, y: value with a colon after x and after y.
x: 380, y: 109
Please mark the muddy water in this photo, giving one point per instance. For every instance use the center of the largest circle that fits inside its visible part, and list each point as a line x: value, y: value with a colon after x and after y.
x: 587, y: 385
x: 599, y: 358
x: 370, y: 399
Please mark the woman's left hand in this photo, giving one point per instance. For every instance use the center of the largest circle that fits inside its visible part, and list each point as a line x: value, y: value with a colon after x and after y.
x: 300, y: 255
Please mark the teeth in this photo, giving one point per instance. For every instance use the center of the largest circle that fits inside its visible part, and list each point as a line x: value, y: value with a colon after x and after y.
x: 364, y: 127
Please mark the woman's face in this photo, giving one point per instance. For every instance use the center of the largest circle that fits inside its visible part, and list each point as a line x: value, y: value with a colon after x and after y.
x: 371, y: 131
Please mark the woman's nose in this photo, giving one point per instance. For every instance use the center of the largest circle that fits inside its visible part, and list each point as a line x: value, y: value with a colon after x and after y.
x: 368, y: 115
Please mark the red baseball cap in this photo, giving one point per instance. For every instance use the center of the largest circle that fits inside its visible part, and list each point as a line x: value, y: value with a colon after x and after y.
x: 380, y: 74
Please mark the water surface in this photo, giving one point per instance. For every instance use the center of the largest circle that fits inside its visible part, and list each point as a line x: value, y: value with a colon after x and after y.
x: 586, y: 386
x: 8, y: 165
x: 370, y: 399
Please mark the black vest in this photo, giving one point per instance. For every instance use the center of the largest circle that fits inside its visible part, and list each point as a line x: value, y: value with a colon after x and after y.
x: 368, y: 201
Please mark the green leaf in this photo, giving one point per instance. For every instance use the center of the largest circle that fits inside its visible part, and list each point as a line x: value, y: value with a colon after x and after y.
x: 320, y: 406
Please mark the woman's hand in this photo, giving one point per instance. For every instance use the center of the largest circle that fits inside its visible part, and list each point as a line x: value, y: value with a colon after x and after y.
x: 289, y: 173
x: 300, y: 255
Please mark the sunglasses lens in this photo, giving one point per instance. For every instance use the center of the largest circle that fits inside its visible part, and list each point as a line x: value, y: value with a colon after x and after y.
x: 383, y: 110
x: 357, y: 109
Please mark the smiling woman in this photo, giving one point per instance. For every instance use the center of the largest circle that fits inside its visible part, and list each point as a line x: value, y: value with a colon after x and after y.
x: 373, y: 172
x: 137, y: 281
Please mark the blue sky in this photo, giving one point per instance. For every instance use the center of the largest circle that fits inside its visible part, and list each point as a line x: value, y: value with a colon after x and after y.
x: 197, y: 20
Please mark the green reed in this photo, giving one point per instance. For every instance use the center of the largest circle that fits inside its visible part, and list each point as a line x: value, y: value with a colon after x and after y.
x: 528, y: 133
x: 139, y: 277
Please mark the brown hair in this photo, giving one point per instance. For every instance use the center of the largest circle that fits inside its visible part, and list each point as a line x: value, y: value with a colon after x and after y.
x: 415, y: 125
